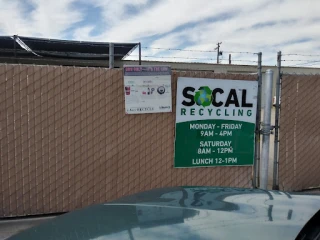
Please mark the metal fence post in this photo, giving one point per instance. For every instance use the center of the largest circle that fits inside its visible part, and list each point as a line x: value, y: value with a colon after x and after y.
x: 139, y: 53
x: 275, y: 185
x: 265, y: 130
x: 255, y: 182
x: 111, y: 55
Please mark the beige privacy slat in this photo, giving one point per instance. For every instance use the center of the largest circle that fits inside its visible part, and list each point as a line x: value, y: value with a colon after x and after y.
x: 299, y: 162
x: 66, y: 142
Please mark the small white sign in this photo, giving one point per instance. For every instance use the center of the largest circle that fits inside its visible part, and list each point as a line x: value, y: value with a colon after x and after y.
x: 147, y: 89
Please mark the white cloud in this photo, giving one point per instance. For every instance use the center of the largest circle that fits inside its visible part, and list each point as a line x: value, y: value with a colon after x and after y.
x: 10, y: 17
x: 167, y: 16
x: 247, y: 25
x: 51, y: 18
x: 114, y: 11
x: 46, y: 19
x: 291, y: 21
x: 83, y: 33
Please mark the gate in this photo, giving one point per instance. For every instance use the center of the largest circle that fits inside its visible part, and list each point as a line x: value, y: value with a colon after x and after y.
x: 299, y: 150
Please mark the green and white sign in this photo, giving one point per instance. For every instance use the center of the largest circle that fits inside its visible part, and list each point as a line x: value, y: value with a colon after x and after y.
x: 215, y: 122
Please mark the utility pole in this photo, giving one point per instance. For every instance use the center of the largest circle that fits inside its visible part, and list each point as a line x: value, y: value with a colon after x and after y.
x: 218, y: 51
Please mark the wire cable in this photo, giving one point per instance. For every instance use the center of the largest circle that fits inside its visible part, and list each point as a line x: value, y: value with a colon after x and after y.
x: 179, y: 49
x: 240, y: 52
x: 296, y: 60
x: 303, y: 55
x: 194, y: 50
x: 194, y: 58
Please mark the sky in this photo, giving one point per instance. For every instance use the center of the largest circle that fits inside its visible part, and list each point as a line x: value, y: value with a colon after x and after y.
x: 244, y: 27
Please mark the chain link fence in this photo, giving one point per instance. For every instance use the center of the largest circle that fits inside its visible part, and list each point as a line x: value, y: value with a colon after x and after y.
x: 66, y: 142
x: 299, y: 150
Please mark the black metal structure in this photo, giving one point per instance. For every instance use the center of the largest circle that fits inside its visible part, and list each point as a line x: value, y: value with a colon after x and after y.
x: 62, y: 52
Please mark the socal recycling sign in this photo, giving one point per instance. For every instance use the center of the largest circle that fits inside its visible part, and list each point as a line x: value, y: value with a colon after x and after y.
x: 215, y: 122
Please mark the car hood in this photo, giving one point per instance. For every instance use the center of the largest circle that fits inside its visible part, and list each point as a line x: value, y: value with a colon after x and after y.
x: 186, y: 213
